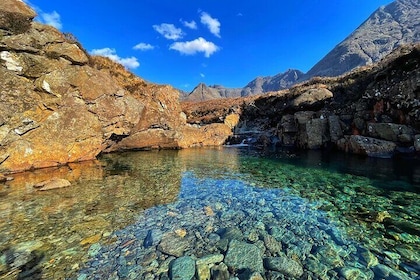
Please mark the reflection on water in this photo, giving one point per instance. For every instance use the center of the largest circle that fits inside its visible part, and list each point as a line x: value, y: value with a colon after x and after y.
x: 61, y: 224
x: 325, y: 216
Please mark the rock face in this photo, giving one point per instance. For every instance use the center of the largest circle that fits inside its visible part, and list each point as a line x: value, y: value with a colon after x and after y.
x: 387, y: 28
x: 61, y: 105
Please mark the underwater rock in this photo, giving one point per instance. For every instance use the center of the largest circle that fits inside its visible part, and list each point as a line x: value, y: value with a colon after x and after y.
x: 330, y: 256
x: 203, y: 272
x: 242, y: 255
x: 273, y: 246
x: 371, y: 147
x: 220, y: 272
x: 317, y: 267
x: 284, y: 265
x: 383, y: 271
x: 232, y: 233
x: 210, y: 259
x: 256, y: 276
x: 352, y: 273
x: 52, y: 184
x: 183, y: 269
x: 173, y: 245
x: 369, y: 259
x: 148, y: 241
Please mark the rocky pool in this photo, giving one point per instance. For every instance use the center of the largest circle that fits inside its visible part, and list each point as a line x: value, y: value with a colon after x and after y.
x: 215, y: 213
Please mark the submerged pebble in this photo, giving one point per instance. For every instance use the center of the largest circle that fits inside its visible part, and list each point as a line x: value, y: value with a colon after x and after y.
x: 323, y: 224
x: 291, y: 243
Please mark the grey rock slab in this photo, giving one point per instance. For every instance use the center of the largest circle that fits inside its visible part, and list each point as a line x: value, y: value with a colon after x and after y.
x: 183, y: 268
x: 284, y: 265
x: 241, y: 255
x: 210, y: 259
x: 173, y: 245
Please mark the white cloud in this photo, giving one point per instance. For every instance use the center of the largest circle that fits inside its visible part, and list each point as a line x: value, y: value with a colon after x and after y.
x: 128, y: 62
x: 143, y: 47
x: 192, y: 24
x: 213, y: 24
x: 197, y: 45
x: 202, y: 75
x: 52, y: 19
x: 169, y: 31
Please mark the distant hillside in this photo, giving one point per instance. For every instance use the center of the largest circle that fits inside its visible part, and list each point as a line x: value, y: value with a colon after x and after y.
x: 203, y: 92
x: 387, y: 28
x: 259, y: 85
x: 272, y: 83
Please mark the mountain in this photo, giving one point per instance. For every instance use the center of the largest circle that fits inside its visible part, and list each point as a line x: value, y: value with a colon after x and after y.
x: 203, y: 92
x: 387, y: 28
x: 272, y: 83
x: 259, y: 85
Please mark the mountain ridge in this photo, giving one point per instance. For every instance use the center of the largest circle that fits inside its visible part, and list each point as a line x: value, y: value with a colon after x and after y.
x: 382, y: 32
x: 387, y: 28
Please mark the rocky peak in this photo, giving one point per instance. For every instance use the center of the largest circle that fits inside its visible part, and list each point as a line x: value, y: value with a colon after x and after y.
x: 203, y: 92
x: 386, y: 29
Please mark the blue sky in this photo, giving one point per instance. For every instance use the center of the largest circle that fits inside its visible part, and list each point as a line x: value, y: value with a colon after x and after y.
x: 184, y: 42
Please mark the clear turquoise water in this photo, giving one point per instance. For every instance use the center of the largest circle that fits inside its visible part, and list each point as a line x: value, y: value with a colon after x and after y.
x: 332, y: 216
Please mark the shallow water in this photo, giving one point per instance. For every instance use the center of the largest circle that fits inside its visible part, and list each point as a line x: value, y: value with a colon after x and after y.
x: 322, y: 216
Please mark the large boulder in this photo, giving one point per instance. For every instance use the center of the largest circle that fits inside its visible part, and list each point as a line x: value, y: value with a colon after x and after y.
x: 317, y: 133
x: 335, y: 130
x: 362, y: 145
x: 313, y: 133
x: 391, y: 132
x: 69, y: 51
x: 311, y: 97
x: 68, y: 134
x: 288, y: 130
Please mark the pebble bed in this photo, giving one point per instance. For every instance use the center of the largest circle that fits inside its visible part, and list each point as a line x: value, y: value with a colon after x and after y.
x: 222, y: 228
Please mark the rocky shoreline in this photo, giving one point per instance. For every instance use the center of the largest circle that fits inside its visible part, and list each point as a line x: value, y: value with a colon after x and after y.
x: 372, y: 111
